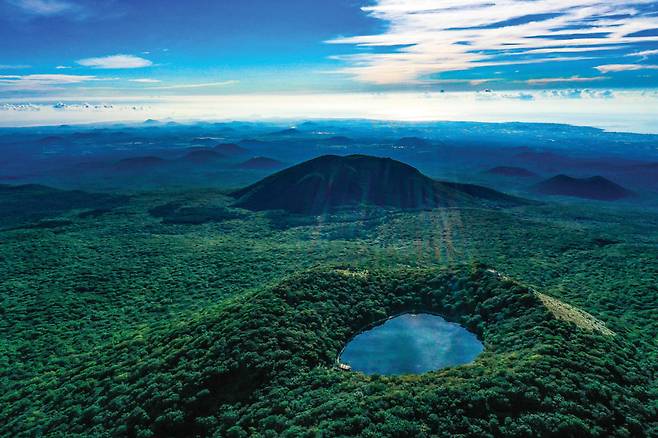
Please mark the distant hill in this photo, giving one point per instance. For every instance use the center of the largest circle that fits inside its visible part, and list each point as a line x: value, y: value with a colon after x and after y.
x: 511, y: 171
x: 202, y: 156
x: 338, y: 140
x: 330, y: 182
x: 253, y: 143
x: 551, y: 160
x: 205, y: 141
x: 289, y: 131
x: 596, y: 187
x: 412, y: 142
x: 51, y: 140
x: 261, y: 163
x: 231, y: 149
x: 138, y: 163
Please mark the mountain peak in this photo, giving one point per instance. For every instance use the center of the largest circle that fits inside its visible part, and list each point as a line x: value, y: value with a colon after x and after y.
x: 331, y: 182
x: 261, y: 163
x: 595, y: 187
x: 231, y: 149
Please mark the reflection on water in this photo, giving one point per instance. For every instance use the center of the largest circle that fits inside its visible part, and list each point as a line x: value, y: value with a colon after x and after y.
x: 411, y: 344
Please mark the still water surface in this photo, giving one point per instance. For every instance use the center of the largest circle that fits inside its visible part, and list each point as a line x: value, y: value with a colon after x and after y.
x: 411, y: 344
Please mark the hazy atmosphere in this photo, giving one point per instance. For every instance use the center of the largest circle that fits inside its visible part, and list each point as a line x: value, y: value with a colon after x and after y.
x: 125, y: 61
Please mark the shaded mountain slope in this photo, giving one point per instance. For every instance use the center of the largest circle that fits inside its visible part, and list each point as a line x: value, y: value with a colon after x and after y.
x: 231, y: 149
x: 596, y: 187
x: 139, y: 163
x: 203, y: 156
x: 261, y: 163
x: 330, y: 182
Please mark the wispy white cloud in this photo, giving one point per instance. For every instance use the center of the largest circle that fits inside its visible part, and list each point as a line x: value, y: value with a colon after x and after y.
x: 82, y: 106
x: 62, y: 67
x: 19, y: 107
x: 76, y: 10
x: 202, y: 85
x: 13, y: 66
x: 488, y: 95
x: 146, y: 80
x: 153, y: 85
x: 579, y: 94
x: 473, y: 82
x: 558, y: 50
x: 544, y: 81
x: 119, y: 61
x: 429, y: 37
x: 644, y: 54
x: 41, y: 82
x: 614, y: 68
x: 44, y: 7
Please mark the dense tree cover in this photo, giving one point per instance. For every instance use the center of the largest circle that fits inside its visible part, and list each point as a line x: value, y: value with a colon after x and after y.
x: 104, y: 296
x: 177, y: 213
x: 263, y: 363
x: 32, y: 202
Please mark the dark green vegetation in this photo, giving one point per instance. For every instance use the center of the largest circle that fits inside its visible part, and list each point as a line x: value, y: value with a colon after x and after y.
x: 124, y: 324
x: 330, y: 182
x: 264, y: 362
x: 25, y: 204
x: 177, y: 213
x: 595, y: 187
x: 171, y: 312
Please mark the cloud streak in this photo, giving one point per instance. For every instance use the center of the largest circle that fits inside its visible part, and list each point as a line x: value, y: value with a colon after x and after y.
x: 41, y: 82
x: 119, y: 61
x: 644, y: 54
x: 202, y: 85
x: 572, y: 79
x: 13, y: 67
x: 44, y: 7
x: 615, y: 68
x: 145, y: 80
x: 425, y: 38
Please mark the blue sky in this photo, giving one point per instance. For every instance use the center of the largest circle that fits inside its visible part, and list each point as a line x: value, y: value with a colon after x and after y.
x: 97, y: 60
x: 160, y: 47
x: 254, y: 45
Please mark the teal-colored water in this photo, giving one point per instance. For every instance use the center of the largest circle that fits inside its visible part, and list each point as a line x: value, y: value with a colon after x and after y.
x: 411, y: 344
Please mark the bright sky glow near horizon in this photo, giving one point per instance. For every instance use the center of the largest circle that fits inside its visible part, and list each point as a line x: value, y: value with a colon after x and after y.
x: 588, y: 62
